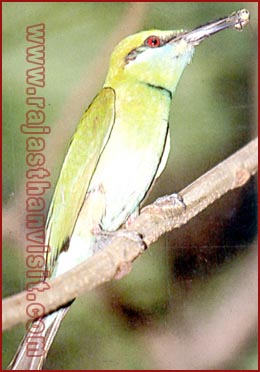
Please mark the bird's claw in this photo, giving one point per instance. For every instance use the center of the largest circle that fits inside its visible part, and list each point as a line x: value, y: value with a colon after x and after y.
x: 175, y: 199
x: 167, y: 200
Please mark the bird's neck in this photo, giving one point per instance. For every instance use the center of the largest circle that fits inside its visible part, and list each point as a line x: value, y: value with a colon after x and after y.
x: 142, y: 106
x: 142, y: 92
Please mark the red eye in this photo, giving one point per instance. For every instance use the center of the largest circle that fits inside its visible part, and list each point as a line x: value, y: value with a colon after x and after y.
x: 153, y: 41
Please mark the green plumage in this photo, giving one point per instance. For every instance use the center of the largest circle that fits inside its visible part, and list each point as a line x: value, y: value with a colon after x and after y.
x: 120, y: 147
x: 81, y: 160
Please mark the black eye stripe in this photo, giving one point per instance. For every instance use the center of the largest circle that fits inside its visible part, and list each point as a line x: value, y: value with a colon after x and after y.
x: 152, y: 41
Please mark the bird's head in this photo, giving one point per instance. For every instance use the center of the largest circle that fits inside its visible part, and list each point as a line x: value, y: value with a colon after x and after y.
x: 159, y: 57
x: 154, y: 57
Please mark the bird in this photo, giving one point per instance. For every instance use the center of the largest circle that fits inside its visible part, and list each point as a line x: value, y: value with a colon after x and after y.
x: 120, y: 147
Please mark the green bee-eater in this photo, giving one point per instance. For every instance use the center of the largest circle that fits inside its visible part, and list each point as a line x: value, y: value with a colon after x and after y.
x: 119, y: 149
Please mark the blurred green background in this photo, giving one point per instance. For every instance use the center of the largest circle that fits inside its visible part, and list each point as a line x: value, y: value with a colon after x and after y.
x: 190, y: 300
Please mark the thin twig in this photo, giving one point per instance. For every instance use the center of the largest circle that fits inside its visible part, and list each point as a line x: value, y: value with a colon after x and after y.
x: 155, y: 220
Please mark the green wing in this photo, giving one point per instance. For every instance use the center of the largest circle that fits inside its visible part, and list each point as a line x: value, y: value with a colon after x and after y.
x: 79, y: 165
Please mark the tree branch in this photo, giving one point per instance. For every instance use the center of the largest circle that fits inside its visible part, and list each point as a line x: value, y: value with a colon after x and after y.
x: 123, y: 248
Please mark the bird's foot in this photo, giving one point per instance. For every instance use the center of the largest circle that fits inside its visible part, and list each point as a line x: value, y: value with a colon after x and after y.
x: 164, y: 201
x: 103, y: 236
x: 175, y: 199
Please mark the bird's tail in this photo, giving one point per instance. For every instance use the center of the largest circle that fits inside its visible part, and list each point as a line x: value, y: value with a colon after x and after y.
x: 36, y: 343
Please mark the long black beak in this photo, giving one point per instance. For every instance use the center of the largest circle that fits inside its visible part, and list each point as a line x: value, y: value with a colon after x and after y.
x: 236, y: 21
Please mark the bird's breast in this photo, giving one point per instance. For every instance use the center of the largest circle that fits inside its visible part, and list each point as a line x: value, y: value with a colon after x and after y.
x: 133, y: 152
